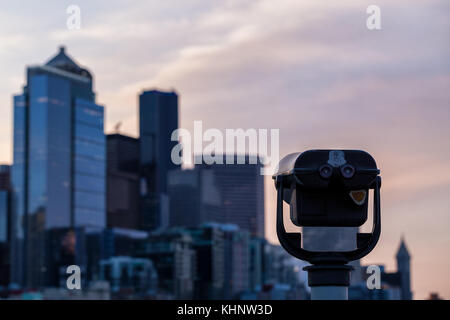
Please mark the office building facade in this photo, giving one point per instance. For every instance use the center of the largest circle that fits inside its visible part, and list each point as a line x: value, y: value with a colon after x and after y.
x: 59, y: 163
x: 134, y: 277
x: 194, y: 198
x: 123, y: 210
x: 173, y: 257
x: 241, y: 189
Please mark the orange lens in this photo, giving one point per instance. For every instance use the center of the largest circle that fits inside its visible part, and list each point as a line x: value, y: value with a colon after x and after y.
x: 358, y: 196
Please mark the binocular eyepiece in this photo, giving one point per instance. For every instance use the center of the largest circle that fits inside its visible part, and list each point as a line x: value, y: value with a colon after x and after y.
x: 347, y: 171
x: 329, y: 188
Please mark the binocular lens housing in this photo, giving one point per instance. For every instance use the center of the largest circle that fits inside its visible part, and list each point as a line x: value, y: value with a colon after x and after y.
x: 326, y: 171
x: 347, y: 171
x: 327, y: 188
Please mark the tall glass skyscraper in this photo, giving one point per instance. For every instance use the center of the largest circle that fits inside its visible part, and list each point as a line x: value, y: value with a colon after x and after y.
x: 158, y: 118
x: 58, y: 173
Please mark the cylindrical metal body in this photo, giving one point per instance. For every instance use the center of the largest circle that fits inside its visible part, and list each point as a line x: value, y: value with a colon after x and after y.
x: 329, y: 281
x: 329, y: 293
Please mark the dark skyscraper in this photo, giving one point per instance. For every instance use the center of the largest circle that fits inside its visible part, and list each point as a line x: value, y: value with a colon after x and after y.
x: 59, y: 162
x: 122, y: 153
x: 122, y: 182
x: 5, y: 203
x: 158, y: 118
x: 5, y: 220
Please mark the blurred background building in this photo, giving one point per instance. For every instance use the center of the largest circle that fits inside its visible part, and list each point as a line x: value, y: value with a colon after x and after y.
x: 59, y: 164
x: 5, y: 224
x: 194, y: 197
x: 241, y: 190
x: 122, y: 187
x: 158, y: 118
x: 129, y: 277
x: 394, y: 285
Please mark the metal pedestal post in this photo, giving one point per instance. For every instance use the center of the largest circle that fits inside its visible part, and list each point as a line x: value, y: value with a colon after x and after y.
x: 329, y: 282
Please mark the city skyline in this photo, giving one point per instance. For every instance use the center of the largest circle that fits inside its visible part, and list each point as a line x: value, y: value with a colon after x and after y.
x: 73, y: 191
x: 390, y: 94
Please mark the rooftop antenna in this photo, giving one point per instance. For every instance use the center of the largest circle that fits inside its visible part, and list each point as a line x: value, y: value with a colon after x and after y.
x: 117, y: 127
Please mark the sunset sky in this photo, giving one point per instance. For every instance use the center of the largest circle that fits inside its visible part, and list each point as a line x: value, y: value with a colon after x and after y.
x: 309, y: 68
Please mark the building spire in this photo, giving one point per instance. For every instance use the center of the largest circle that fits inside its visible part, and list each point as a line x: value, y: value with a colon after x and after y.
x: 402, y: 252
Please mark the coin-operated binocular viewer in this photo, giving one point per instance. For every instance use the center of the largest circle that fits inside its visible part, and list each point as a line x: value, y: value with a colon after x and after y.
x: 328, y: 188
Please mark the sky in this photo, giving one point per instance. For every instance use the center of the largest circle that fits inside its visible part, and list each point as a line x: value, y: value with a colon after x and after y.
x: 311, y: 69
